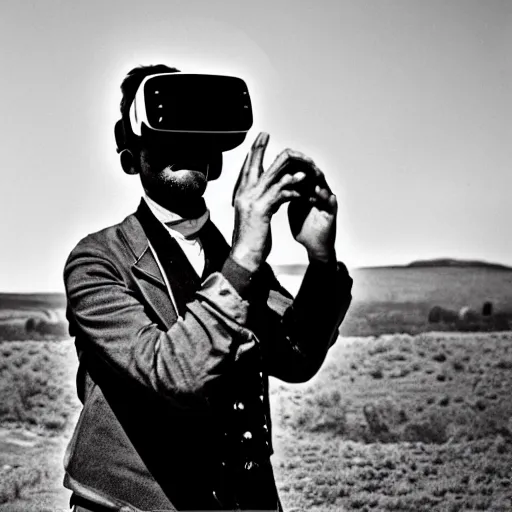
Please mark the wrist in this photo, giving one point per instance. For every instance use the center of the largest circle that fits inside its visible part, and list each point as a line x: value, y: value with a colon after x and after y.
x: 322, y: 256
x: 250, y: 260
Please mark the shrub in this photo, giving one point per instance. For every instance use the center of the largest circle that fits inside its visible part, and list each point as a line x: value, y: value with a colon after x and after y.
x: 433, y: 431
x: 16, y: 480
x: 439, y: 357
x: 42, y: 328
x: 468, y: 315
x: 434, y: 315
x: 504, y: 364
x: 31, y: 325
x: 457, y: 365
x: 444, y: 401
x: 325, y: 412
x: 377, y: 373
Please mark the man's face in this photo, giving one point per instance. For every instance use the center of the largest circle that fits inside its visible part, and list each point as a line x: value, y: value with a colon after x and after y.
x: 173, y: 169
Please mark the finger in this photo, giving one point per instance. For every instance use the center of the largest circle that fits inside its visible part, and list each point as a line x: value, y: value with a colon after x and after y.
x: 290, y: 180
x: 324, y: 200
x: 241, y: 180
x: 288, y: 161
x: 281, y: 191
x: 333, y: 203
x: 322, y: 193
x: 287, y: 182
x: 322, y: 181
x: 284, y: 196
x: 256, y: 157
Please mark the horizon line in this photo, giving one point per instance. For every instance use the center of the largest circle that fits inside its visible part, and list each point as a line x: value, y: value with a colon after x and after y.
x: 412, y: 264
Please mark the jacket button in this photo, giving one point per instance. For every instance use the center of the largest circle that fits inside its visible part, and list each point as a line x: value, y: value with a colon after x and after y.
x: 239, y: 405
x: 247, y: 435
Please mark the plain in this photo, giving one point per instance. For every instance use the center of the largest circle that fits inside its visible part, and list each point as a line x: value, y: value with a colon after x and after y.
x: 404, y: 415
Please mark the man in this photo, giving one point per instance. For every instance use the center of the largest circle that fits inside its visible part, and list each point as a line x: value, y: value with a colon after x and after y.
x: 177, y: 332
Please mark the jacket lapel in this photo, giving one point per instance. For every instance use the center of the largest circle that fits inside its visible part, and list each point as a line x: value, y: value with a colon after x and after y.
x: 146, y: 272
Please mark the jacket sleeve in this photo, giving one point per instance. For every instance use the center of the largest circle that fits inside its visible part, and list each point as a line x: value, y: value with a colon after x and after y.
x: 115, y: 329
x: 296, y: 334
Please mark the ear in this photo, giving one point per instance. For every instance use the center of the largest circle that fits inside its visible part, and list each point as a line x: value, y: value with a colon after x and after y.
x: 128, y: 162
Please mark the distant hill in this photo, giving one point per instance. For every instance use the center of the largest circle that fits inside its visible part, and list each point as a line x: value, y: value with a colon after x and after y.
x: 32, y: 301
x: 299, y: 269
x: 450, y: 262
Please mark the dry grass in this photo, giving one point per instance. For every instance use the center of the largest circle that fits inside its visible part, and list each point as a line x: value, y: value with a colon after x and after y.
x: 394, y: 422
x: 34, y: 384
x: 400, y: 423
x: 38, y: 406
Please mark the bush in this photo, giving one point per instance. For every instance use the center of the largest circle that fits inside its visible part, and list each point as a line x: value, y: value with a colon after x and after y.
x: 32, y: 387
x: 377, y: 373
x: 439, y: 357
x: 432, y: 431
x: 434, y: 315
x: 15, y: 480
x: 325, y: 412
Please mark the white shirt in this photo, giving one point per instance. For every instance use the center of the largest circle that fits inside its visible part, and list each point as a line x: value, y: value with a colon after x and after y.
x: 191, y: 246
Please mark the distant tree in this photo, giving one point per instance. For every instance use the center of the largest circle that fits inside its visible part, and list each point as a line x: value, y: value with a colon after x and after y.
x: 434, y: 315
x: 487, y: 309
x: 31, y: 325
x: 468, y: 315
x: 438, y: 314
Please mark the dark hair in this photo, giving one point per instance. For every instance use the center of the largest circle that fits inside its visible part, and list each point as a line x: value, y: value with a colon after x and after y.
x: 132, y: 81
x: 122, y: 130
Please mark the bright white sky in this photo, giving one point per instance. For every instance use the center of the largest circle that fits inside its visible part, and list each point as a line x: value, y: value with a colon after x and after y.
x: 405, y: 105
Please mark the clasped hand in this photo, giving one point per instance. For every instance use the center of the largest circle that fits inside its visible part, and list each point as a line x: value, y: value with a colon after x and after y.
x: 258, y: 194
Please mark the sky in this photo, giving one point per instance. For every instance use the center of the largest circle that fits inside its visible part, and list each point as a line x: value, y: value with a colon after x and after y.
x: 404, y: 104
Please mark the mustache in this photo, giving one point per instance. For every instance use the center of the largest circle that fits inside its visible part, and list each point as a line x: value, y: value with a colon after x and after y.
x: 194, y: 165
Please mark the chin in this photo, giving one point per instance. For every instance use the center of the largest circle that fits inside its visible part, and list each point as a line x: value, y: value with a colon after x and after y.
x: 175, y: 186
x: 186, y: 176
x: 189, y: 182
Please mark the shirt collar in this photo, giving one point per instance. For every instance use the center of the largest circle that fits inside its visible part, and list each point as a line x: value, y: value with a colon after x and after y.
x: 175, y: 222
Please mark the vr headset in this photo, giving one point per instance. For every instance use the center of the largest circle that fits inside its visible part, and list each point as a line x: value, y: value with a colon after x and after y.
x: 213, y: 112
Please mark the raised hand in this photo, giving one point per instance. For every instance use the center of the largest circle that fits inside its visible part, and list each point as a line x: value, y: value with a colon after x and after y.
x: 312, y: 217
x: 258, y: 194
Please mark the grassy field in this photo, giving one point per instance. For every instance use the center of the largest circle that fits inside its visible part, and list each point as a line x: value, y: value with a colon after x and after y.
x: 398, y: 300
x: 400, y: 422
x: 38, y: 407
x: 394, y: 422
x: 397, y: 419
x: 389, y: 300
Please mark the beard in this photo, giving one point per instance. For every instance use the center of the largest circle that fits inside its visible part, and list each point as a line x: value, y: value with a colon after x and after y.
x: 178, y: 188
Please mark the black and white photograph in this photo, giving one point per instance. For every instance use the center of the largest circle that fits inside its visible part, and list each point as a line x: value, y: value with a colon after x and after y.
x: 256, y: 255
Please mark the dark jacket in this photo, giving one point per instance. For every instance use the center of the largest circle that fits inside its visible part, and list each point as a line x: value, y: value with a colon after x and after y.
x: 175, y: 403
